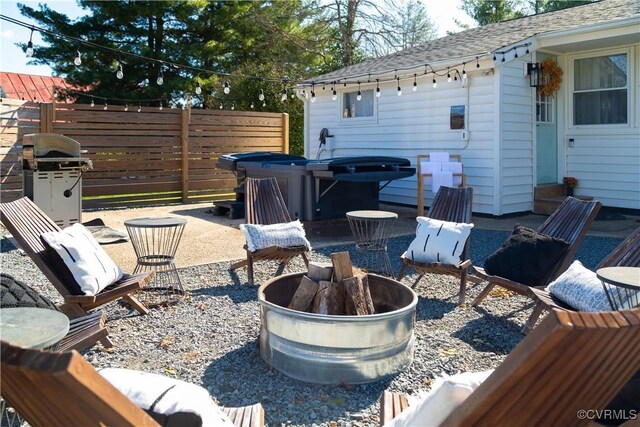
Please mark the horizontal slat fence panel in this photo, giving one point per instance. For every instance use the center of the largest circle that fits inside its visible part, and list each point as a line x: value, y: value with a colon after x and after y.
x: 152, y: 157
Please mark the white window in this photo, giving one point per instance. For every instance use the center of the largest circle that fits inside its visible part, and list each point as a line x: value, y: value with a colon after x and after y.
x: 601, y: 90
x: 352, y: 108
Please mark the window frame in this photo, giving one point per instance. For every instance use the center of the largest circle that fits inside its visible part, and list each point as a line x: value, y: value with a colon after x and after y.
x: 629, y: 87
x: 350, y: 121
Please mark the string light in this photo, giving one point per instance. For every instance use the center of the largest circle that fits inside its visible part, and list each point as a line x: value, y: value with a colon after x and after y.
x: 233, y: 106
x: 478, y: 61
x: 226, y: 88
x: 313, y: 93
x: 93, y: 104
x: 264, y: 104
x: 464, y: 72
x: 105, y: 106
x: 221, y: 106
x: 359, y: 95
x: 77, y: 60
x: 261, y: 95
x: 283, y: 95
x: 334, y: 93
x: 494, y: 57
x: 126, y: 107
x: 252, y: 106
x: 160, y: 79
x: 435, y: 83
x: 399, y: 88
x: 29, y: 51
x: 415, y: 82
x: 160, y: 107
x: 377, y: 88
x: 139, y: 107
x: 198, y: 88
x: 516, y: 55
x: 119, y: 73
x: 448, y: 75
x: 503, y: 57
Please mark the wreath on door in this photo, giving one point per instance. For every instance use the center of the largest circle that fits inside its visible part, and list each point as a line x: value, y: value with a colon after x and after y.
x: 551, y: 77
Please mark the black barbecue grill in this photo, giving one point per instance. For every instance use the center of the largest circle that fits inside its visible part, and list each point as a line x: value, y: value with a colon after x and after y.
x: 320, y: 189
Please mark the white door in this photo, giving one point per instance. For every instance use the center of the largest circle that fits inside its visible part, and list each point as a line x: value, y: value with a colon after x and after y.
x: 546, y: 137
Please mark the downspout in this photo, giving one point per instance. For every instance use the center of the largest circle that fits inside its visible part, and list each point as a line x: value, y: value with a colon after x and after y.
x: 497, y: 149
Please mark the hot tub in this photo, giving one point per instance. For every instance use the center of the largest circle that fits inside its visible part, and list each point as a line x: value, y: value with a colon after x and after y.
x: 330, y: 349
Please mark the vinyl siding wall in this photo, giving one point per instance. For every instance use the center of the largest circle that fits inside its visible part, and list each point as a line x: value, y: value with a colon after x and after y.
x: 516, y: 140
x: 412, y: 124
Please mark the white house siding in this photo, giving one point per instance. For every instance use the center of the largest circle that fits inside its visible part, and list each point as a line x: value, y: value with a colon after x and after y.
x: 516, y: 173
x: 416, y: 123
x: 606, y: 159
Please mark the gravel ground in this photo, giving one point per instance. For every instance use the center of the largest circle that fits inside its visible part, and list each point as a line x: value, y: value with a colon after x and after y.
x: 210, y: 338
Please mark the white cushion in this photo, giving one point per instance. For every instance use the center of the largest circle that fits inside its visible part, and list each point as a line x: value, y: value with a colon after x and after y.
x: 166, y: 396
x: 445, y: 396
x: 284, y: 235
x: 581, y: 289
x: 438, y: 241
x: 91, y: 267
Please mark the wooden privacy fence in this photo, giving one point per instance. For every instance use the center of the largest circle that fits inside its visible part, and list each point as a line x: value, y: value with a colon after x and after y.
x: 143, y: 158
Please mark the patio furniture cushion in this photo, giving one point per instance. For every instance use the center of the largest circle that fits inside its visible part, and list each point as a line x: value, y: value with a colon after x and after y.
x: 169, y: 401
x: 438, y: 241
x: 580, y: 288
x: 282, y: 235
x: 81, y: 260
x: 445, y: 396
x: 526, y: 257
x: 14, y: 293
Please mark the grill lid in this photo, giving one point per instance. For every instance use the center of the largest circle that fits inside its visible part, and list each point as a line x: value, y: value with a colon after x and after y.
x: 50, y: 145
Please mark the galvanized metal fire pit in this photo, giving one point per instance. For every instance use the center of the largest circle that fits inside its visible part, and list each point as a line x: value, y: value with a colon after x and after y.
x: 331, y: 349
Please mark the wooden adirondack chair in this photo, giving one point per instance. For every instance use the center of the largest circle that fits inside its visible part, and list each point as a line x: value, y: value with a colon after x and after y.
x: 26, y: 222
x: 569, y: 222
x: 264, y: 205
x: 573, y: 361
x: 627, y: 254
x: 453, y: 205
x: 63, y: 389
x: 83, y: 332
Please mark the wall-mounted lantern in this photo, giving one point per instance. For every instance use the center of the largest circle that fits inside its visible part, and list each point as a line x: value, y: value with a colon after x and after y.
x: 534, y: 71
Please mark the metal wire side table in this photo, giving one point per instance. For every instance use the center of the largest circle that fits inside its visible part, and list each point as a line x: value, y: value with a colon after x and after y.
x: 155, y: 241
x: 371, y: 230
x: 622, y: 286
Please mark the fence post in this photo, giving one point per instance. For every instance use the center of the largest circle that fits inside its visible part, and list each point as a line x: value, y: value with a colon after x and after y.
x: 185, y: 119
x: 285, y: 133
x: 47, y: 116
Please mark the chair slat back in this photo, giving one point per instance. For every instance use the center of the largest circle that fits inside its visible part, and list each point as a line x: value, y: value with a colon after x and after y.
x: 627, y: 254
x: 453, y: 205
x: 63, y: 389
x: 264, y: 203
x: 572, y: 361
x: 26, y: 222
x: 569, y: 222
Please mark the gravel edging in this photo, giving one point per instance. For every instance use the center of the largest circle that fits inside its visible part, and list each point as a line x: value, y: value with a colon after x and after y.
x: 210, y: 338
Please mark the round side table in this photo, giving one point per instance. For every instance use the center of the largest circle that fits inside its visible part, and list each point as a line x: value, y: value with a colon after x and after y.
x: 622, y: 286
x: 371, y: 230
x: 155, y: 241
x: 31, y: 327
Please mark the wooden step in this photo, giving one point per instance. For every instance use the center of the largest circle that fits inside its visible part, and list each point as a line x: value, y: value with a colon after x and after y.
x: 549, y: 190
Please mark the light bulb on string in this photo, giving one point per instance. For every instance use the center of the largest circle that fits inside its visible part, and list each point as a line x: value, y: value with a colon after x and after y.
x: 377, y: 88
x: 415, y: 82
x: 503, y: 57
x: 448, y: 75
x: 77, y: 60
x: 105, y: 106
x: 494, y: 57
x: 198, y: 88
x: 478, y: 61
x: 435, y: 83
x: 334, y: 93
x: 527, y: 52
x: 119, y: 73
x: 160, y: 79
x: 261, y: 95
x: 399, y: 88
x: 252, y: 106
x: 29, y: 51
x: 126, y: 107
x: 221, y: 106
x: 139, y: 108
x: 93, y: 104
x: 313, y: 95
x: 283, y: 95
x: 516, y: 53
x: 233, y: 106
x: 226, y: 88
x: 160, y: 107
x: 264, y: 104
x: 359, y: 95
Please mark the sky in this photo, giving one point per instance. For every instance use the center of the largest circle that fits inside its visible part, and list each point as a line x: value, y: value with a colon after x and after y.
x: 13, y: 59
